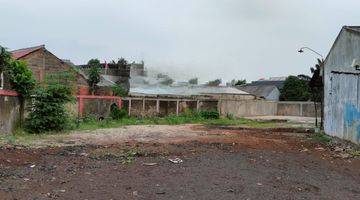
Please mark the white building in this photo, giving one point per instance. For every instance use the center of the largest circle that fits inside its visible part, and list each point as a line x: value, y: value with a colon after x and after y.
x: 342, y: 86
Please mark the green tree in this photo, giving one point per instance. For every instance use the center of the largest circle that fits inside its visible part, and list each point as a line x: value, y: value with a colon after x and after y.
x: 5, y: 59
x: 118, y: 90
x: 295, y: 89
x: 167, y: 81
x: 214, y: 83
x: 93, y: 74
x: 21, y: 80
x: 238, y: 82
x: 317, y: 88
x: 193, y: 81
x: 47, y: 112
x: 122, y: 63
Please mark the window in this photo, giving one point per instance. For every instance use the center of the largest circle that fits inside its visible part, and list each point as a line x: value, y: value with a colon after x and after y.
x: 2, y: 80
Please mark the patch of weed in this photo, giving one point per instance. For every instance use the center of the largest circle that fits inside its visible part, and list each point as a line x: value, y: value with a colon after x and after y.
x: 354, y: 153
x: 126, y: 156
x: 318, y: 137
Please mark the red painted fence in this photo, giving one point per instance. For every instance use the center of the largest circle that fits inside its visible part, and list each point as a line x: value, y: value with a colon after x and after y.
x: 8, y: 93
x: 81, y: 98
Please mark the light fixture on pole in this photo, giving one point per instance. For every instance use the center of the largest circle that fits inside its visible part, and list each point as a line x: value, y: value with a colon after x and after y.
x: 301, y: 50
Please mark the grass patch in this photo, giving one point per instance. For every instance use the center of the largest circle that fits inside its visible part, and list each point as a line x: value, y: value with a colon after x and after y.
x: 23, y: 138
x: 354, y: 153
x: 172, y: 120
x: 240, y: 122
x: 318, y: 137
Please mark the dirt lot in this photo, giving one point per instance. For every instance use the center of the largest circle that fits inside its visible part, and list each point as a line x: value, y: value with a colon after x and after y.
x: 218, y: 163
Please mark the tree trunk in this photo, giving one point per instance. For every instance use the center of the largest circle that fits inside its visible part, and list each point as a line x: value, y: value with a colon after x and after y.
x: 322, y: 110
x: 314, y: 99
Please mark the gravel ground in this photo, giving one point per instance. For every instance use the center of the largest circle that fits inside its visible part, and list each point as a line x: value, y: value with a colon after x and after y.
x: 218, y: 163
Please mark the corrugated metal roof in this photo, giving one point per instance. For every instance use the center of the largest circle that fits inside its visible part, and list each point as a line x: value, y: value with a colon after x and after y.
x: 258, y: 90
x: 185, y: 91
x: 354, y: 28
x: 17, y: 54
x: 278, y: 84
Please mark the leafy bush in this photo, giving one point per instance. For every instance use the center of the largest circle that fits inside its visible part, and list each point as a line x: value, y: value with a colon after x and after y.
x: 116, y: 113
x: 20, y: 77
x: 230, y: 116
x: 209, y: 114
x: 119, y: 91
x: 47, y: 113
x: 22, y: 81
x: 5, y: 59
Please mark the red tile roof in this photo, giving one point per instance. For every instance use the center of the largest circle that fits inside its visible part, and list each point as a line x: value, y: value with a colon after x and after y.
x: 17, y: 54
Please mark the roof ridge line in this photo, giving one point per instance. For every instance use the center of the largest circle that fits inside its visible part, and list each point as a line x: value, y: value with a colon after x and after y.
x: 27, y: 48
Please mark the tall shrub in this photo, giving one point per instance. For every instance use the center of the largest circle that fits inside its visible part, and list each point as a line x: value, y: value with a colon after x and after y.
x: 48, y: 111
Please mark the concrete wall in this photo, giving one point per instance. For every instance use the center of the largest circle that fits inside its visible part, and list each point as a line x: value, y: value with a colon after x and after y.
x: 342, y: 88
x: 247, y: 108
x: 232, y: 96
x: 302, y: 109
x: 9, y: 113
x: 148, y: 107
x: 99, y: 108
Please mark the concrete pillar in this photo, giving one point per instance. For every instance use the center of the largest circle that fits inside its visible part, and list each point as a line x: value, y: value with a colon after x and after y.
x: 197, y: 105
x: 301, y: 109
x: 81, y: 106
x: 143, y: 106
x: 129, y: 111
x: 157, y: 106
x: 177, y: 107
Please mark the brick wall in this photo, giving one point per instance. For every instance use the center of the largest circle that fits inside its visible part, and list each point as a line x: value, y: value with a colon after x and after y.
x: 43, y: 63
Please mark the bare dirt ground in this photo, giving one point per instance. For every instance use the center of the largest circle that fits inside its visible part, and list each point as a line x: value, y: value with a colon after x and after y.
x: 294, y: 119
x: 218, y: 163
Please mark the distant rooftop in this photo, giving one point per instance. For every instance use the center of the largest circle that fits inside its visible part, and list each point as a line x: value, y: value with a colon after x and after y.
x: 19, y: 53
x: 353, y: 28
x: 280, y: 78
x: 278, y: 83
x: 262, y: 91
x: 184, y: 91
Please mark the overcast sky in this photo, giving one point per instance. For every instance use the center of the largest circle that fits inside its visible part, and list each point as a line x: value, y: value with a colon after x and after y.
x: 205, y: 38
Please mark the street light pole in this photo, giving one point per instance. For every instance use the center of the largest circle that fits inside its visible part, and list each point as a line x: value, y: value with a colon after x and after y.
x: 301, y: 50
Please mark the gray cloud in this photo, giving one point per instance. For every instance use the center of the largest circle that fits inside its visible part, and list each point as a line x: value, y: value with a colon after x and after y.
x: 206, y: 38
